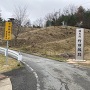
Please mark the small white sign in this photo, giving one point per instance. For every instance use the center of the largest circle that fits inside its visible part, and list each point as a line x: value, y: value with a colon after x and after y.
x: 79, y: 44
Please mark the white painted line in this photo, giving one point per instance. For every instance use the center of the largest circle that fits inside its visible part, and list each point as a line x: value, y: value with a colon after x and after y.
x: 27, y: 65
x: 36, y: 76
x: 32, y: 69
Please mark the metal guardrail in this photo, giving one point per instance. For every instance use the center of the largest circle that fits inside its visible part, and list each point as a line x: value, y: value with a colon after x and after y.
x: 11, y: 53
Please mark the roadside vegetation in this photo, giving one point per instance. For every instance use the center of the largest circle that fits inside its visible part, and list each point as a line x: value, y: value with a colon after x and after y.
x: 12, y: 64
x: 55, y: 43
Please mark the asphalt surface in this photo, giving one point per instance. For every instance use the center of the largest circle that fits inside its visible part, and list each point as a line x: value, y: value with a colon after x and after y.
x: 45, y: 74
x: 54, y: 75
x: 22, y: 79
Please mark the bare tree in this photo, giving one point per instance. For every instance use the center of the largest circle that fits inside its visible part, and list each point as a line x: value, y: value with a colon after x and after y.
x: 48, y: 19
x: 51, y: 18
x: 70, y: 10
x: 20, y: 16
x: 28, y: 23
x: 38, y: 23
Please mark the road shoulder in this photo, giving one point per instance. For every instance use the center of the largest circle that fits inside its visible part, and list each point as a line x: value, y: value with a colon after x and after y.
x: 5, y: 83
x: 22, y: 79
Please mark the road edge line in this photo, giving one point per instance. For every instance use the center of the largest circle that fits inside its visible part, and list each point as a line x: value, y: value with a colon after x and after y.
x: 35, y: 74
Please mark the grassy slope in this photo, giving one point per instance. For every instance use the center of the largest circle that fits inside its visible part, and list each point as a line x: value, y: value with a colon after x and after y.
x: 52, y: 41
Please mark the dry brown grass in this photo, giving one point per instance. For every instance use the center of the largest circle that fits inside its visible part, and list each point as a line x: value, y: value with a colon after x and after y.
x: 12, y: 64
x: 52, y: 41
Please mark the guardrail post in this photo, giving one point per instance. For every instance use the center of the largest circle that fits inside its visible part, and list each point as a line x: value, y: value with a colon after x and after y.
x: 19, y: 57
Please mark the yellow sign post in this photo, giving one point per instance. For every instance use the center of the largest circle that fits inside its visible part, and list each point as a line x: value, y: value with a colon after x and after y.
x: 7, y: 37
x: 8, y: 31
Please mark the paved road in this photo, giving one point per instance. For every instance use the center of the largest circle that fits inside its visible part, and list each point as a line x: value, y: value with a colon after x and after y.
x: 21, y: 79
x: 54, y: 75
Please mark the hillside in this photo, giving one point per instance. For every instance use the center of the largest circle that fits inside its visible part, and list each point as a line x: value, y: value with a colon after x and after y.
x: 57, y: 43
x: 53, y: 42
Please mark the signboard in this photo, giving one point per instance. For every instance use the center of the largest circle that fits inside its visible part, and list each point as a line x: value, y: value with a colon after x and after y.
x: 79, y: 44
x: 8, y: 31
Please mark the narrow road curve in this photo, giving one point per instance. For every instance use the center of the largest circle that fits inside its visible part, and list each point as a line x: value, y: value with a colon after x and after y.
x: 54, y: 75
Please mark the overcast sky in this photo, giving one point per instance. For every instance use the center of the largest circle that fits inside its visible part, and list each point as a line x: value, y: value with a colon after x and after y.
x: 38, y: 8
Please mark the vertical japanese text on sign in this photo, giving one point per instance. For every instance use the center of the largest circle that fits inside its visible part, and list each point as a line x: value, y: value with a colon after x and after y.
x: 8, y: 31
x: 79, y: 44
